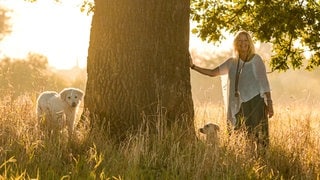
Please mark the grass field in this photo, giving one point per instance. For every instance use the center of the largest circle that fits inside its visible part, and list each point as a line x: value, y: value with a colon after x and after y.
x: 25, y: 153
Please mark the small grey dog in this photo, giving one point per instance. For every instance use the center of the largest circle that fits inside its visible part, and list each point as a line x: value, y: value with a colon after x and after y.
x: 211, y: 131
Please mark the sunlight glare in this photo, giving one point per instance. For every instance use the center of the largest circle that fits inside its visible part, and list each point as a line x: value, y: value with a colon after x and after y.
x: 58, y: 31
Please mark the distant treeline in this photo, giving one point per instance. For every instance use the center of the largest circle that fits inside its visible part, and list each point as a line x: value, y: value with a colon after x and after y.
x: 33, y: 75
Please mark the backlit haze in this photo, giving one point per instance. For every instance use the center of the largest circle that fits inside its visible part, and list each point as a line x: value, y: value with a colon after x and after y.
x: 58, y: 31
x: 61, y: 32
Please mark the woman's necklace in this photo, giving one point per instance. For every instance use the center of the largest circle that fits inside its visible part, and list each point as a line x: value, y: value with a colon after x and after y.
x: 240, y: 69
x: 238, y: 72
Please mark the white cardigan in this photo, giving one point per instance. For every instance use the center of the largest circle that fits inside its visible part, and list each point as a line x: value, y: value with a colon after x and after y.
x: 252, y: 81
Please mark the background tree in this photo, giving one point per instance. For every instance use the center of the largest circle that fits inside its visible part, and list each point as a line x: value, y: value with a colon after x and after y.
x: 28, y: 75
x: 138, y: 68
x: 281, y: 22
x: 5, y: 27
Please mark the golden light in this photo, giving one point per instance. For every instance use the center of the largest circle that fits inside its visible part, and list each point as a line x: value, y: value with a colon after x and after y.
x: 58, y: 31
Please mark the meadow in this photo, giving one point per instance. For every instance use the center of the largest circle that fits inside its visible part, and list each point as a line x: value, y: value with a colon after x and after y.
x: 25, y: 153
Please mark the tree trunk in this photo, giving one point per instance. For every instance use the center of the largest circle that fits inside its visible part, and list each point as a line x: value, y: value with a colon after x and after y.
x: 138, y: 67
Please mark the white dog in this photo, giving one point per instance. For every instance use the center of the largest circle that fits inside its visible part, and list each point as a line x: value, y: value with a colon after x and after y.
x: 57, y: 111
x: 211, y: 131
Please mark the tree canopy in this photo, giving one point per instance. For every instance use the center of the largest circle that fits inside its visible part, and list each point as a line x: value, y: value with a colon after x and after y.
x: 284, y: 23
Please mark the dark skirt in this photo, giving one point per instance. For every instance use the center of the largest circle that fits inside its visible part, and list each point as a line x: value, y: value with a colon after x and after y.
x: 252, y: 117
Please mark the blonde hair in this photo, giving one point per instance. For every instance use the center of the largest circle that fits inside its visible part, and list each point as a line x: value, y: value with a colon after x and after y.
x: 251, y: 50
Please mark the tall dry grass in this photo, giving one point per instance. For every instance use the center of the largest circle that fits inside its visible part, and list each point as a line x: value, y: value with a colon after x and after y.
x: 25, y: 153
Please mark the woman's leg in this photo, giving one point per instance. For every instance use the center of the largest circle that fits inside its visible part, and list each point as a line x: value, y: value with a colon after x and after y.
x: 255, y: 120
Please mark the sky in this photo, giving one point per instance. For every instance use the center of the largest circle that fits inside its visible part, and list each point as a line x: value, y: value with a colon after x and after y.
x: 57, y: 30
x: 60, y: 32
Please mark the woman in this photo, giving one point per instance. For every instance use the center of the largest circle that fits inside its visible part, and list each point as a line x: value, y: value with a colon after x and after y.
x: 249, y: 97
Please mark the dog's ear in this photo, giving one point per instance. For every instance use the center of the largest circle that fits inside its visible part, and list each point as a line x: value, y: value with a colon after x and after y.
x: 81, y: 93
x: 217, y: 127
x: 63, y: 94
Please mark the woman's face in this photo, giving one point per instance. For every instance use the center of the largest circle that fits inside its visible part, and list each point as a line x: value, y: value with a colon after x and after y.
x: 242, y: 43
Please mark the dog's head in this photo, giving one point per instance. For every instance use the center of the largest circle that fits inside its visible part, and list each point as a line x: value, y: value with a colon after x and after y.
x: 210, y: 129
x: 72, y: 96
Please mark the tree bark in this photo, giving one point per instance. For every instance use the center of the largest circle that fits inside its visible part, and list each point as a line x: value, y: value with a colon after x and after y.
x: 138, y: 67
